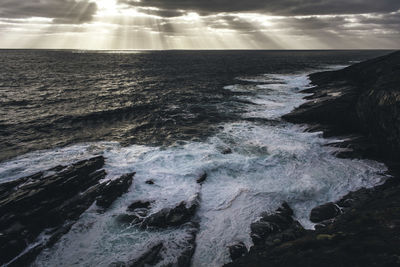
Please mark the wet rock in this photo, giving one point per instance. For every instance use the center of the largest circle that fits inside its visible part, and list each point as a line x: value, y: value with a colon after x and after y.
x: 363, y: 99
x: 366, y: 233
x: 150, y: 258
x: 185, y: 258
x: 261, y: 230
x: 150, y: 182
x: 54, y: 200
x: 227, y: 151
x: 238, y: 250
x: 140, y: 209
x: 355, y: 198
x: 164, y: 218
x: 285, y: 210
x: 324, y: 212
x: 202, y: 178
x: 114, y: 189
x: 172, y: 217
x: 128, y: 219
x: 278, y: 226
x: 139, y: 205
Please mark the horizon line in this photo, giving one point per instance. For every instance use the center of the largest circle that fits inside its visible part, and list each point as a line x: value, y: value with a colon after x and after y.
x: 210, y: 49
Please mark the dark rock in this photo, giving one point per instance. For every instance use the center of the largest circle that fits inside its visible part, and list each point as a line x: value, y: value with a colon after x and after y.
x: 54, y: 200
x: 238, y: 250
x: 324, y: 212
x: 280, y: 220
x: 139, y: 205
x: 128, y: 219
x: 172, y: 217
x: 285, y: 209
x: 139, y: 209
x: 261, y: 230
x: 276, y: 226
x: 202, y: 178
x: 150, y: 258
x: 150, y: 182
x: 355, y: 198
x: 185, y: 258
x: 364, y: 99
x: 363, y: 236
x: 114, y: 189
x: 164, y: 218
x: 227, y: 151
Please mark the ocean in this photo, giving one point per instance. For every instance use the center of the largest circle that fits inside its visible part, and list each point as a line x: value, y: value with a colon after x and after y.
x: 169, y: 116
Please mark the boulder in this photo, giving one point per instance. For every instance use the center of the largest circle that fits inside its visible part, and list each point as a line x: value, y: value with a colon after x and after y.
x: 238, y: 250
x: 227, y: 151
x: 324, y: 212
x: 274, y: 227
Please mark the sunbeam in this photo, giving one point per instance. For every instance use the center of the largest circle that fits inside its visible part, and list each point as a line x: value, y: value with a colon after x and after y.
x: 132, y: 24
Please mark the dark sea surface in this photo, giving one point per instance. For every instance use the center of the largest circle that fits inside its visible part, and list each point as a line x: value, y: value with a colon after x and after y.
x: 170, y: 117
x: 55, y: 98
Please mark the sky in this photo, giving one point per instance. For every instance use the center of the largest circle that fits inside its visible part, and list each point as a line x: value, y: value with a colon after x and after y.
x: 200, y: 24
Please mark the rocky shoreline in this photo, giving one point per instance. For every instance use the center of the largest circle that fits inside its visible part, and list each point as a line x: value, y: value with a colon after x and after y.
x: 36, y: 211
x: 360, y: 103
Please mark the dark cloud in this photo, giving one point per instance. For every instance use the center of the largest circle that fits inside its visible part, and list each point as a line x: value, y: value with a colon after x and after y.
x: 165, y: 13
x: 275, y: 7
x: 331, y: 23
x: 62, y: 11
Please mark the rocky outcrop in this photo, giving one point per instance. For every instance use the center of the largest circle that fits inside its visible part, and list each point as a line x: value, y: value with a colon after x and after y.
x: 185, y: 257
x: 366, y: 234
x: 155, y: 254
x: 238, y: 250
x: 171, y: 216
x: 324, y: 212
x: 273, y: 229
x: 48, y: 203
x: 114, y: 189
x: 202, y: 178
x: 270, y: 231
x: 182, y: 216
x: 363, y: 98
x: 150, y: 258
x: 139, y: 213
x: 361, y: 229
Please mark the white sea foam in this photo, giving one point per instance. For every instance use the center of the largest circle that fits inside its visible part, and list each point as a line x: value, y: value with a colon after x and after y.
x: 40, y: 160
x: 269, y: 165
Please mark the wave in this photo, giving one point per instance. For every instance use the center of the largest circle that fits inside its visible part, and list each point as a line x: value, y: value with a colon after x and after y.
x: 270, y: 163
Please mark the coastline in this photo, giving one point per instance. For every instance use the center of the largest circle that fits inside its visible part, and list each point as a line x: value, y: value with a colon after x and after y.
x: 142, y: 203
x: 358, y: 103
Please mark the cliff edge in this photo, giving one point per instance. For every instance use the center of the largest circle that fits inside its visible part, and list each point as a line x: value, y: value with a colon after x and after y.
x: 362, y: 99
x: 361, y: 102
